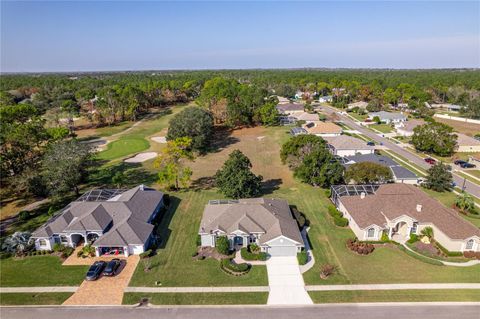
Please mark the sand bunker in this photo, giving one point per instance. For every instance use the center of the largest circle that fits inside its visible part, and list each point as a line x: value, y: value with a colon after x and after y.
x: 159, y: 139
x: 141, y: 157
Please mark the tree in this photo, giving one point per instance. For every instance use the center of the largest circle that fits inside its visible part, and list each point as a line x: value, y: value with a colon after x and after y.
x: 319, y: 168
x: 18, y: 243
x: 223, y: 245
x: 377, y: 119
x: 465, y: 202
x: 65, y: 166
x: 194, y: 123
x: 439, y: 178
x: 267, y: 114
x: 119, y: 179
x: 293, y: 150
x: 427, y: 231
x: 368, y: 173
x: 172, y: 172
x: 434, y: 137
x: 235, y: 179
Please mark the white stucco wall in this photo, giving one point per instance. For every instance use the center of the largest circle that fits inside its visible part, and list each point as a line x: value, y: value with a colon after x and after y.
x: 353, y: 152
x: 208, y: 240
x: 48, y: 246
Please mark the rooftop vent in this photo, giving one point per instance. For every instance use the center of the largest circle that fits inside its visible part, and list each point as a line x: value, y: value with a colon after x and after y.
x: 419, y: 208
x: 362, y: 195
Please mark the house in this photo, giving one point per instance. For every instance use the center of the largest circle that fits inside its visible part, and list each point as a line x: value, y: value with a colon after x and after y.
x: 388, y: 117
x: 290, y: 108
x: 345, y: 145
x: 282, y: 100
x: 445, y: 106
x: 325, y: 99
x: 307, y: 117
x: 304, y: 95
x: 399, y: 210
x: 361, y: 105
x: 267, y: 223
x: 406, y: 128
x: 323, y: 129
x: 466, y: 143
x: 108, y: 219
x: 400, y: 174
x: 298, y: 131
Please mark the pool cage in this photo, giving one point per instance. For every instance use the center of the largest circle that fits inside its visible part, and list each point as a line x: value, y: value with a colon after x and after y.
x: 351, y: 190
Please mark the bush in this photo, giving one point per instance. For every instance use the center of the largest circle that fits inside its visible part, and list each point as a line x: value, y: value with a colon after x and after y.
x: 413, y: 238
x: 223, y: 245
x: 300, y: 218
x: 79, y: 253
x: 254, y: 248
x: 471, y: 254
x: 4, y: 255
x: 302, y: 257
x: 57, y: 247
x: 67, y: 251
x: 248, y: 255
x: 359, y: 247
x: 23, y: 215
x: 333, y: 211
x: 448, y: 253
x: 146, y: 254
x: 328, y: 192
x: 199, y: 240
x: 326, y: 270
x: 230, y: 266
x: 384, y: 237
x: 340, y: 221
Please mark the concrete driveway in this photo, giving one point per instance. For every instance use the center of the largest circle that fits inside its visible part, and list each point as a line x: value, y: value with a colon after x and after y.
x: 286, y: 282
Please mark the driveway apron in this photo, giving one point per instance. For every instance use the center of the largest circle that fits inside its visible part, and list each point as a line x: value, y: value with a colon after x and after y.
x: 286, y: 282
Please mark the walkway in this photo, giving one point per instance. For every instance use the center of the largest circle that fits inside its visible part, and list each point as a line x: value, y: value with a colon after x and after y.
x: 392, y: 287
x: 447, y: 263
x: 311, y: 259
x: 74, y: 260
x: 38, y: 289
x: 238, y: 259
x: 286, y: 282
x: 105, y: 290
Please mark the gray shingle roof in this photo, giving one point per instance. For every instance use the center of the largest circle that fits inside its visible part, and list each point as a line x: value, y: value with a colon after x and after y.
x: 387, y: 115
x: 398, y: 171
x: 272, y: 217
x: 128, y: 213
x: 290, y: 107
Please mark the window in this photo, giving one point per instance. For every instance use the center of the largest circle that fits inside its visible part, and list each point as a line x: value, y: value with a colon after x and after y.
x: 371, y: 232
x: 42, y: 242
x: 469, y: 245
x: 414, y: 228
x: 64, y: 239
x: 252, y: 240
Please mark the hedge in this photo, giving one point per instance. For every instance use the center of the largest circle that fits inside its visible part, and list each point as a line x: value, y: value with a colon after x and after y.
x: 340, y: 221
x: 302, y: 257
x: 247, y: 255
x: 233, y: 268
x: 420, y: 257
x: 447, y: 252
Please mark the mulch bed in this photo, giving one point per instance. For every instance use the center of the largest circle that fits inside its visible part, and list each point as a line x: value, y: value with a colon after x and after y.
x: 209, y: 252
x: 428, y: 248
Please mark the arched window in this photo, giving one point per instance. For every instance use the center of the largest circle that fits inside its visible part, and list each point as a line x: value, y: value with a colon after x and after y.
x: 469, y: 245
x: 42, y: 242
x: 371, y: 232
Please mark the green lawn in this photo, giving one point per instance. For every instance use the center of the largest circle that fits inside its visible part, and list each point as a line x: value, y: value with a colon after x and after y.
x: 39, y: 271
x: 123, y: 147
x: 358, y: 117
x: 348, y: 296
x: 474, y: 172
x: 51, y: 298
x: 229, y: 298
x: 174, y: 266
x: 114, y: 129
x: 384, y: 128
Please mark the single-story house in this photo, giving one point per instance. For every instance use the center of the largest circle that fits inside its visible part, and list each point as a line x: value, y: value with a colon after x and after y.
x: 325, y: 99
x: 466, y: 143
x: 445, y: 106
x: 345, y: 145
x: 282, y: 100
x: 290, y: 108
x: 304, y: 116
x: 399, y: 210
x: 304, y: 95
x: 360, y: 105
x: 388, y: 117
x: 323, y: 129
x: 406, y: 128
x: 109, y: 219
x: 267, y: 223
x: 400, y: 174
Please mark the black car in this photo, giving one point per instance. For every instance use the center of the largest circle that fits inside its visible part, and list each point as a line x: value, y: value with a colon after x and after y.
x: 95, y: 270
x: 371, y: 143
x: 467, y: 165
x: 459, y: 162
x: 112, y: 267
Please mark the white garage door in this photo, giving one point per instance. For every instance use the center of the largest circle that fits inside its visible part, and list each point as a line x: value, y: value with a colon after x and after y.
x: 282, y: 251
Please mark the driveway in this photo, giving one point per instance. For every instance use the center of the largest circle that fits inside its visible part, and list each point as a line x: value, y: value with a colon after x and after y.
x: 286, y: 282
x: 105, y: 290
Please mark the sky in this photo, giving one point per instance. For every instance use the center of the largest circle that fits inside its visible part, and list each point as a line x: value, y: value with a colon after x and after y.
x: 48, y: 36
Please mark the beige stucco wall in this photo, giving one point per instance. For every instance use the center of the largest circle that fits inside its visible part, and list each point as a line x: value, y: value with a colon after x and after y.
x: 467, y: 148
x: 447, y: 242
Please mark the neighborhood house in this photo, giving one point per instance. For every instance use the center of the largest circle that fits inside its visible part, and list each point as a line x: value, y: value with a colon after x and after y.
x: 289, y: 108
x: 345, y: 145
x: 325, y: 99
x: 466, y: 143
x: 360, y: 105
x: 388, y: 117
x: 323, y: 129
x: 399, y: 210
x: 114, y: 221
x: 267, y: 223
x: 406, y: 128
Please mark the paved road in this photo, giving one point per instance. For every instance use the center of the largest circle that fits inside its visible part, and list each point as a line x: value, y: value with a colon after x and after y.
x: 333, y: 311
x: 470, y: 187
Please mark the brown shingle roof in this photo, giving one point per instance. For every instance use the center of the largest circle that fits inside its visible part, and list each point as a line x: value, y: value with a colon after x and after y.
x: 394, y: 200
x: 320, y: 127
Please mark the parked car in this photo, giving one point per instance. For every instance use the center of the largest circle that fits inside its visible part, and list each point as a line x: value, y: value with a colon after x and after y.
x: 371, y: 143
x: 95, y: 270
x: 430, y: 160
x: 468, y: 165
x: 459, y: 162
x: 112, y: 267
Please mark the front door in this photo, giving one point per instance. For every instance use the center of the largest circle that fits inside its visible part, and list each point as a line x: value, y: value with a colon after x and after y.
x: 238, y: 241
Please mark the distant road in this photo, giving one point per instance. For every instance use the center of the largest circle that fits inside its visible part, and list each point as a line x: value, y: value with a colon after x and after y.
x: 470, y: 187
x: 333, y: 311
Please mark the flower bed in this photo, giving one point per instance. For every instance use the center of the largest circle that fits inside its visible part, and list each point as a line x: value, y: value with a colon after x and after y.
x: 359, y: 247
x: 232, y: 268
x: 472, y: 254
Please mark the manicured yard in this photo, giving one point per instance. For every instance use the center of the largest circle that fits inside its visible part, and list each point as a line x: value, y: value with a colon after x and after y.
x: 384, y: 128
x: 123, y: 147
x: 224, y: 298
x: 51, y: 298
x: 394, y: 295
x: 39, y: 271
x: 358, y: 117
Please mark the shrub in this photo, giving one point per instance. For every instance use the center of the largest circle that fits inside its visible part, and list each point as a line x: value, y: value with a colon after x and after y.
x: 230, y: 266
x: 67, y: 251
x: 413, y: 238
x: 146, y: 254
x: 427, y: 231
x: 326, y: 270
x: 471, y: 254
x: 79, y: 253
x: 302, y: 257
x: 300, y: 218
x: 254, y: 248
x: 223, y: 245
x: 340, y: 221
x: 4, y: 255
x: 359, y: 247
x: 448, y: 253
x: 195, y: 254
x: 23, y: 215
x: 333, y: 211
x: 199, y: 240
x: 385, y: 237
x: 248, y: 255
x: 328, y: 193
x: 57, y: 247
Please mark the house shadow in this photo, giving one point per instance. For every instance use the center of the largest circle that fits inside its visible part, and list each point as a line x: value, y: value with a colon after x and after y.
x: 222, y: 138
x: 271, y: 185
x: 162, y: 230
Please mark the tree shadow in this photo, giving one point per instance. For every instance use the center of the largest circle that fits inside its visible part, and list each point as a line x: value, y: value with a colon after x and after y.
x: 203, y: 183
x: 271, y: 185
x: 134, y: 174
x: 162, y: 230
x: 222, y: 138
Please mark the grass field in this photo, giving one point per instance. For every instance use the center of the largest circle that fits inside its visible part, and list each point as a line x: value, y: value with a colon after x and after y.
x: 123, y: 147
x: 229, y: 298
x: 51, y: 298
x: 39, y: 271
x: 394, y: 295
x: 358, y: 117
x: 384, y: 128
x: 469, y: 129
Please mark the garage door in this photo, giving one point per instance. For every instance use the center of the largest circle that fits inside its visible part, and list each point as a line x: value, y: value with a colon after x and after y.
x: 282, y: 251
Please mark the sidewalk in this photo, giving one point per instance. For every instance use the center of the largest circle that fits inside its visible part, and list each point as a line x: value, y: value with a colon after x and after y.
x: 197, y: 289
x: 38, y: 289
x: 391, y: 287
